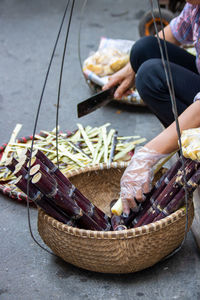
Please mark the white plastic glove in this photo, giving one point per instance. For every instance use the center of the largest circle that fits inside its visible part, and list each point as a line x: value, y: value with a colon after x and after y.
x: 138, y: 176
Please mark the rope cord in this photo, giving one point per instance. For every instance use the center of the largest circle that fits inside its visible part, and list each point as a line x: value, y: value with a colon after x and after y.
x: 170, y: 84
x: 37, y: 116
x: 60, y: 79
x: 79, y: 35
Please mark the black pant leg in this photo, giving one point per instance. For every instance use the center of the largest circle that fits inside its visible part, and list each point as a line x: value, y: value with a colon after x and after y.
x: 147, y: 48
x: 152, y: 86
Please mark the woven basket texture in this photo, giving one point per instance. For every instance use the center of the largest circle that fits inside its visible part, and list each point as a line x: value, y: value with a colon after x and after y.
x: 113, y: 251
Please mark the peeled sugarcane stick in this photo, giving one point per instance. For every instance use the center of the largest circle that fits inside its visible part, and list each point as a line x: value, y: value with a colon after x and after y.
x: 36, y: 196
x: 65, y: 202
x: 117, y: 222
x: 174, y: 186
x: 81, y: 200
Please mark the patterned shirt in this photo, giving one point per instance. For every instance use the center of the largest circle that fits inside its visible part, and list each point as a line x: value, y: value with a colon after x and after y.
x: 186, y: 28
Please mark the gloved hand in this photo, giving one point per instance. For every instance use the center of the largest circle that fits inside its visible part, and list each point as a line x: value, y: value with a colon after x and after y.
x: 138, y: 177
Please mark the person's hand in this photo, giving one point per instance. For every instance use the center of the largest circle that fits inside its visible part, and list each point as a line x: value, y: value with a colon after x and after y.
x: 137, y: 178
x: 125, y: 78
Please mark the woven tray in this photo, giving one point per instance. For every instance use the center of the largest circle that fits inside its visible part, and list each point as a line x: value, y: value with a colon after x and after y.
x: 114, y: 251
x: 8, y: 188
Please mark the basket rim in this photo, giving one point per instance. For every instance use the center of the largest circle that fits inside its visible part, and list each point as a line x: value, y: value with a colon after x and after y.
x: 125, y: 234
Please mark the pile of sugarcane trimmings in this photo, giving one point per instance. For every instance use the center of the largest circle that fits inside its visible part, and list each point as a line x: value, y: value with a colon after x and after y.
x: 85, y: 146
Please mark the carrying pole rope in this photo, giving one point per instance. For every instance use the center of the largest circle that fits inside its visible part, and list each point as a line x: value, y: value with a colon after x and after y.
x: 79, y: 35
x: 169, y: 79
x: 60, y: 79
x: 39, y: 106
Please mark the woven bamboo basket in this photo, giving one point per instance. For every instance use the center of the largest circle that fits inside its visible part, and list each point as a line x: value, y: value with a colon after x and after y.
x: 112, y: 251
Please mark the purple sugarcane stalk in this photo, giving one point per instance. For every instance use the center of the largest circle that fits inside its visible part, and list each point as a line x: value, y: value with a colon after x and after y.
x: 158, y: 188
x: 174, y: 186
x: 65, y: 202
x: 39, y: 199
x: 179, y: 198
x: 64, y: 182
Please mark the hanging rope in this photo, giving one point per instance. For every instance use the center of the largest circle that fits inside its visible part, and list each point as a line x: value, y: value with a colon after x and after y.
x: 168, y: 74
x: 39, y: 106
x: 60, y: 78
x: 79, y: 35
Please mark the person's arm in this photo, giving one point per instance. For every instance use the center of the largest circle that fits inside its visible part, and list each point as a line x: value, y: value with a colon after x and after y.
x: 137, y: 178
x: 169, y: 37
x: 167, y: 141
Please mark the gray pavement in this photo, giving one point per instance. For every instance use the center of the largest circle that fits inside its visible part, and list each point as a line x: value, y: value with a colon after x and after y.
x: 27, y: 34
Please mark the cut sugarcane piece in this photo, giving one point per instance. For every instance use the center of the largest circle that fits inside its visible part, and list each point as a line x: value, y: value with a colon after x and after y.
x: 117, y: 222
x: 117, y: 208
x: 20, y: 170
x: 11, y: 163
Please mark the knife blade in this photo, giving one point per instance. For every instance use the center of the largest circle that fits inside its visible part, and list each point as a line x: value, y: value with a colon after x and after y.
x: 96, y: 101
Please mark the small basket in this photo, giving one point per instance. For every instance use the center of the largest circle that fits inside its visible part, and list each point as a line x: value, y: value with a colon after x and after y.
x: 113, y: 251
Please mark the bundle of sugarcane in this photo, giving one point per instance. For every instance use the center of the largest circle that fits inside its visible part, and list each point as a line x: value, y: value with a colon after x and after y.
x: 166, y: 196
x: 54, y: 193
x: 172, y: 196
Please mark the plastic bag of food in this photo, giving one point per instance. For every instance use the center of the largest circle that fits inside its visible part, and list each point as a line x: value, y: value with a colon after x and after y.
x: 111, y: 56
x: 190, y: 140
x: 106, y: 61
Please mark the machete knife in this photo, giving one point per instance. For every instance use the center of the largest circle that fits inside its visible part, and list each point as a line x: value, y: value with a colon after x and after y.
x: 96, y: 101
